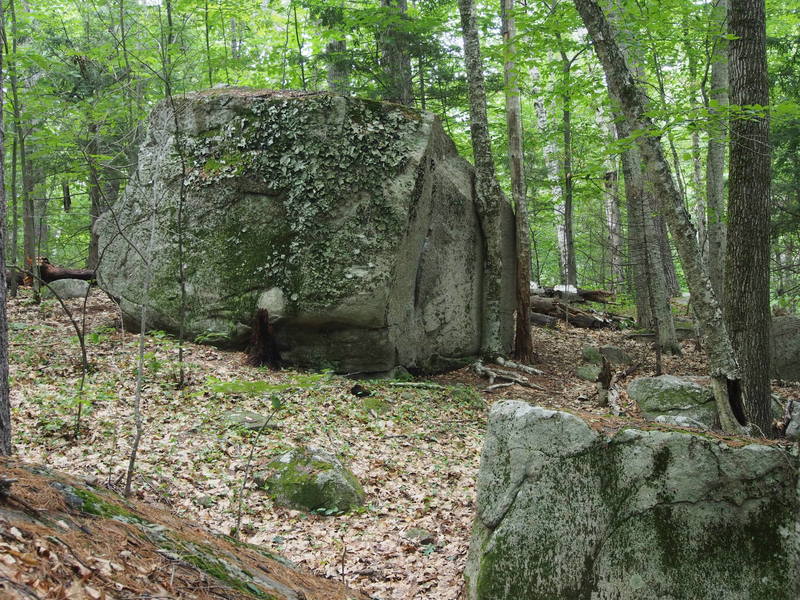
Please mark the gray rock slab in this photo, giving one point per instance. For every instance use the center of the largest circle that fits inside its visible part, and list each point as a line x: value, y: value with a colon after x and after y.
x: 352, y: 222
x: 66, y: 289
x: 566, y: 512
x: 668, y: 395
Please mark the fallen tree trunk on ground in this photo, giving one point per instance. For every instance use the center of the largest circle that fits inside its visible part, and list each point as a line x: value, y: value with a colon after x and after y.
x: 573, y: 294
x: 49, y: 272
x: 543, y: 309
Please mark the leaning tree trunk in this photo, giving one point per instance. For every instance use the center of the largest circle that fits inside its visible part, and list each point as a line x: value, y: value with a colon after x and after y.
x: 722, y: 359
x: 747, y: 311
x: 715, y: 162
x: 646, y: 237
x: 523, y: 344
x: 488, y: 194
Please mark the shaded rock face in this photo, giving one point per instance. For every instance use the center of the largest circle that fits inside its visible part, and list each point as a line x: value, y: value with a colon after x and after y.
x: 311, y: 479
x: 352, y: 222
x: 565, y: 512
x: 786, y: 348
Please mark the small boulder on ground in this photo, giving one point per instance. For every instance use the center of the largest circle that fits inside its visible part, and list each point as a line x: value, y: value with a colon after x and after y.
x: 311, y: 479
x: 588, y: 372
x: 613, y: 354
x: 66, y: 289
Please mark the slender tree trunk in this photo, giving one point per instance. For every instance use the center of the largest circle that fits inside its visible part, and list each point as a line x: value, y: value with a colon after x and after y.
x: 722, y: 359
x: 667, y: 262
x: 95, y: 193
x: 207, y: 32
x: 611, y: 206
x: 488, y: 195
x: 571, y: 268
x: 523, y: 344
x: 715, y: 163
x: 395, y: 60
x: 553, y: 172
x: 747, y: 311
x: 5, y: 401
x: 637, y: 248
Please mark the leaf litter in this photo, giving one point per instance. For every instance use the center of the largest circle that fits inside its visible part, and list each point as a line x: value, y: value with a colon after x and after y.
x: 416, y: 450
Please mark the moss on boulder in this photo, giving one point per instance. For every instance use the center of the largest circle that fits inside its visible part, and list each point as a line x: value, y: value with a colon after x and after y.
x: 311, y: 479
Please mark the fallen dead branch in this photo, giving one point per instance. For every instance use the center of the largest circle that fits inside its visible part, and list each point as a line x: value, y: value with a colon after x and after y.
x: 493, y: 374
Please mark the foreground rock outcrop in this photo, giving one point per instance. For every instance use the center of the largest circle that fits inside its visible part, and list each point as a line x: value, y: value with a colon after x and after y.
x: 352, y: 222
x: 64, y: 539
x: 565, y: 512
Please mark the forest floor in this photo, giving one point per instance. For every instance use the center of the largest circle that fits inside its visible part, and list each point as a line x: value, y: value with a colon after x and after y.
x: 415, y: 450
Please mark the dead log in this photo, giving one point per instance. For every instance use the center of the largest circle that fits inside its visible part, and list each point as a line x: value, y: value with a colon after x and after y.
x: 566, y: 312
x: 572, y: 294
x: 49, y: 272
x: 543, y: 320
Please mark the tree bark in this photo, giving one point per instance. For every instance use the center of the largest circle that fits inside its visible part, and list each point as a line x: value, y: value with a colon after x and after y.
x: 5, y: 401
x: 338, y: 67
x: 523, y: 344
x: 611, y: 207
x: 570, y: 264
x: 715, y: 162
x: 395, y: 60
x: 747, y: 255
x: 488, y: 194
x: 553, y: 173
x: 722, y: 359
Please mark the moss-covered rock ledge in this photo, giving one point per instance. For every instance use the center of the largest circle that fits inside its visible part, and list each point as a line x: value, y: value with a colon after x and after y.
x: 65, y: 539
x: 565, y: 512
x: 351, y: 221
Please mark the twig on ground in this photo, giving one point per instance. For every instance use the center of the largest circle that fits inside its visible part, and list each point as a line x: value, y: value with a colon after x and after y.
x: 493, y: 388
x: 418, y: 384
x: 520, y: 367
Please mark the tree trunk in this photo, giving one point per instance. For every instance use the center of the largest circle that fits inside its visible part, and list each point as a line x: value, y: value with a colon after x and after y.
x: 722, y: 359
x: 570, y: 264
x: 338, y: 67
x: 611, y: 207
x: 395, y: 60
x: 5, y: 401
x: 553, y: 173
x: 715, y: 163
x: 523, y: 344
x: 667, y: 263
x: 747, y: 255
x: 488, y: 195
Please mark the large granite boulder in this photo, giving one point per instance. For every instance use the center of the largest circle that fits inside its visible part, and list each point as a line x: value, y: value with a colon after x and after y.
x: 786, y: 348
x: 566, y: 512
x: 352, y: 222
